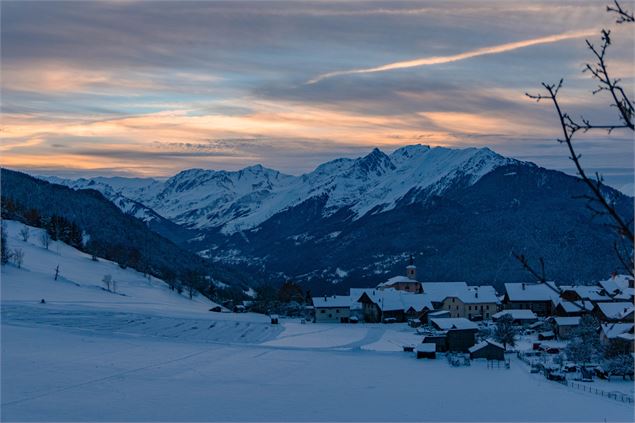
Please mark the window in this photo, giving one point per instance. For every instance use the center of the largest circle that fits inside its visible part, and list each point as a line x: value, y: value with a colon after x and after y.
x: 337, y: 310
x: 330, y: 315
x: 322, y: 311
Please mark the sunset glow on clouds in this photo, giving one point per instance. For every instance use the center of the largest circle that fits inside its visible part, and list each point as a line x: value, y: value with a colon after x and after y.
x: 151, y: 88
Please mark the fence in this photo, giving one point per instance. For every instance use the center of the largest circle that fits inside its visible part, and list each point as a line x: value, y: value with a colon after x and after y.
x: 593, y: 390
x: 532, y: 360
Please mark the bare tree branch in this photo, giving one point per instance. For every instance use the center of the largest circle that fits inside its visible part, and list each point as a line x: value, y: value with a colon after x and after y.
x: 623, y: 16
x: 597, y: 201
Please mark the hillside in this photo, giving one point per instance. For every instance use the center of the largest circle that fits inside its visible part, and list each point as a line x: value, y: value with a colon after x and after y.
x: 80, y: 280
x: 106, y: 230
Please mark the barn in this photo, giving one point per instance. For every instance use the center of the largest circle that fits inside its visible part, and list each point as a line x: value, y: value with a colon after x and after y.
x: 488, y: 350
x: 427, y: 350
x: 460, y: 333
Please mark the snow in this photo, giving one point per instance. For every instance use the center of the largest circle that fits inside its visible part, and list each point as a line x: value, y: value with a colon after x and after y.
x: 532, y: 292
x: 391, y: 299
x: 427, y: 347
x: 567, y: 321
x: 613, y: 330
x: 396, y: 279
x: 81, y: 280
x: 454, y: 323
x: 617, y: 310
x: 332, y: 301
x: 241, y: 200
x: 341, y: 273
x: 55, y: 374
x: 151, y: 354
x: 484, y: 344
x: 516, y: 314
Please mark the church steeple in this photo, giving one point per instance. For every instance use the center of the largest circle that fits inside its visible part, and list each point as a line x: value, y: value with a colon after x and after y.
x: 411, y: 269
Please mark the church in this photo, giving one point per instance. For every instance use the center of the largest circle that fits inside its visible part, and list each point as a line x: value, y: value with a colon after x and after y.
x: 406, y: 283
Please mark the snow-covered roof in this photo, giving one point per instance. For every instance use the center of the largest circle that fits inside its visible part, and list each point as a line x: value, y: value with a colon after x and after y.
x: 532, y: 291
x: 454, y: 323
x: 439, y: 313
x: 332, y: 301
x: 427, y: 347
x: 484, y: 344
x: 392, y: 299
x: 396, y: 279
x: 616, y: 310
x: 588, y: 292
x: 567, y: 321
x: 613, y: 330
x: 439, y: 291
x: 516, y: 314
x: 619, y: 282
x: 575, y: 306
x: 627, y: 336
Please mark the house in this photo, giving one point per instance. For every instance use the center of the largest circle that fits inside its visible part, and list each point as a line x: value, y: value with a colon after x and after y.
x: 392, y: 305
x: 537, y: 297
x: 426, y: 350
x: 333, y: 309
x: 488, y: 350
x: 519, y: 317
x: 406, y: 283
x: 461, y: 300
x: 620, y: 337
x: 564, y: 327
x: 460, y: 333
x: 621, y: 311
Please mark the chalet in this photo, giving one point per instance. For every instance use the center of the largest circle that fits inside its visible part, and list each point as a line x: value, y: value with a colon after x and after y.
x: 618, y: 336
x: 406, y: 283
x: 460, y: 333
x: 461, y: 300
x: 392, y: 305
x: 564, y: 327
x: 621, y: 311
x: 519, y: 317
x: 426, y: 350
x: 537, y: 297
x: 333, y: 309
x: 487, y: 349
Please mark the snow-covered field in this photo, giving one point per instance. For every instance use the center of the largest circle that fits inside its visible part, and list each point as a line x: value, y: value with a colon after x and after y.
x: 151, y: 354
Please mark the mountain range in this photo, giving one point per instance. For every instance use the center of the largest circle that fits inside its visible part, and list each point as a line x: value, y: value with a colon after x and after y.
x: 353, y: 222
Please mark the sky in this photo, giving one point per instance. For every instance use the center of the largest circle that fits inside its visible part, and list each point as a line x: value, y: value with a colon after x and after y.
x: 149, y: 88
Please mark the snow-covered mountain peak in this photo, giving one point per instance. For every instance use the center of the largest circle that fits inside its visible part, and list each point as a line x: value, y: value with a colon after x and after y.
x: 375, y: 163
x: 238, y: 200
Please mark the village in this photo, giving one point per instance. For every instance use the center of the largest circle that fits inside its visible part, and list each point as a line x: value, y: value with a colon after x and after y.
x: 542, y: 323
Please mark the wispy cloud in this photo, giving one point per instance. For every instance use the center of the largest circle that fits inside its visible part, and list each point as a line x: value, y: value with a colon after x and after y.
x: 437, y: 60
